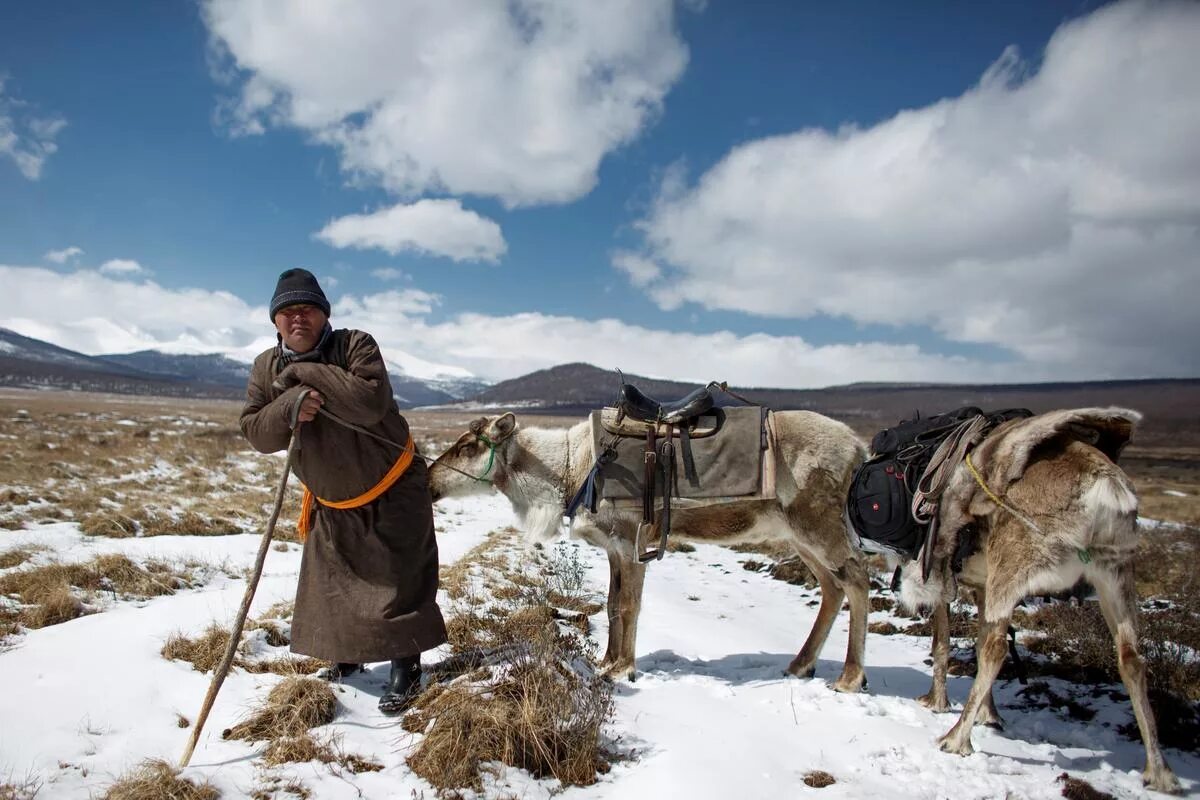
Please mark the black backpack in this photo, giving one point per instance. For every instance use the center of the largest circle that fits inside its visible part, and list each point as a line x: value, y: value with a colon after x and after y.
x: 879, y: 503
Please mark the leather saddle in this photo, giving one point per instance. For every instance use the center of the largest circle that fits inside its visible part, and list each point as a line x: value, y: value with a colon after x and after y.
x: 632, y: 402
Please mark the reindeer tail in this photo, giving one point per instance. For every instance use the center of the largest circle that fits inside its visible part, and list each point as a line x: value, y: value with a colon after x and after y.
x: 1111, y: 505
x: 917, y: 594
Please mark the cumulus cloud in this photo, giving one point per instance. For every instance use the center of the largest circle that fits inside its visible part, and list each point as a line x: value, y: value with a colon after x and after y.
x: 96, y: 313
x: 434, y: 227
x: 518, y: 100
x: 123, y: 266
x: 642, y: 271
x: 135, y: 315
x: 1053, y: 212
x: 388, y: 274
x: 26, y: 137
x: 64, y: 255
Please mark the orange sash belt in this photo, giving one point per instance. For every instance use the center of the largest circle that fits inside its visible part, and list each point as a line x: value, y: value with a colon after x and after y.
x: 393, y: 475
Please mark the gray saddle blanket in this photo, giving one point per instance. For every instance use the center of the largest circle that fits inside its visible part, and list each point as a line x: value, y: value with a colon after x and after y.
x: 730, y: 462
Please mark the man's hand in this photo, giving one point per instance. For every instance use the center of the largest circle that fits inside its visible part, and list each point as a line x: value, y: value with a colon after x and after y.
x: 309, y: 406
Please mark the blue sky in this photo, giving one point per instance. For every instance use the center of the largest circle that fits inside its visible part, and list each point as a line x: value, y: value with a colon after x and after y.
x: 817, y: 193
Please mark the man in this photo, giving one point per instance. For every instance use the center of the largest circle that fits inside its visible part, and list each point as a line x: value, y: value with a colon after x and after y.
x: 369, y: 574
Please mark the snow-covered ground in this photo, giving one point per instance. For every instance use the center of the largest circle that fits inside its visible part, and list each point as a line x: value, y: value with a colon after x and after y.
x: 710, y: 715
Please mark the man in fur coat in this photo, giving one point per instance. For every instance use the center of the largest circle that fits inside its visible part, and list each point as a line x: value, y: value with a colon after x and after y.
x: 369, y: 574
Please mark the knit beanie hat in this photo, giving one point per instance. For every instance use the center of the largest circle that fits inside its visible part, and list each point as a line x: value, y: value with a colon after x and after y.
x: 297, y: 286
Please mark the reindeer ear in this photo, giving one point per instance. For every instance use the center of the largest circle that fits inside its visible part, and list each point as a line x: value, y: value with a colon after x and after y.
x: 503, y: 427
x: 476, y: 427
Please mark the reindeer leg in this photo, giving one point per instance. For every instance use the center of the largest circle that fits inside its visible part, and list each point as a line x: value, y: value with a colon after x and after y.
x: 992, y: 652
x: 615, y: 621
x: 856, y: 585
x: 1118, y: 602
x: 626, y: 578
x: 988, y: 715
x: 634, y: 581
x: 939, y: 648
x: 804, y: 665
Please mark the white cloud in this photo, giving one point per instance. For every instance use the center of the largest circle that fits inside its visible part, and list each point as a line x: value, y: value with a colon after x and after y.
x: 436, y: 227
x: 123, y: 266
x: 1055, y: 213
x: 64, y: 255
x: 517, y: 100
x: 96, y: 314
x: 642, y: 271
x: 389, y: 274
x: 26, y: 138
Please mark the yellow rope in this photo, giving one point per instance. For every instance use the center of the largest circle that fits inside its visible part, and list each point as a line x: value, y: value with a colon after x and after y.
x: 385, y: 483
x: 1085, y: 555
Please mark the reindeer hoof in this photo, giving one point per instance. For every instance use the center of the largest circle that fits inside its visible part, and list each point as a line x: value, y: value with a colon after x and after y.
x: 935, y: 701
x: 850, y: 685
x: 950, y: 743
x: 618, y: 671
x: 1162, y: 780
x: 795, y: 669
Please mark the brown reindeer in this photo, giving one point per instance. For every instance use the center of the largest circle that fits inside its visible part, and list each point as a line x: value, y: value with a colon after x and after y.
x: 539, y: 469
x: 1049, y: 505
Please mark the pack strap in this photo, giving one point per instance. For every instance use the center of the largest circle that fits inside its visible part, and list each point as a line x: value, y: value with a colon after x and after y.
x: 307, y: 502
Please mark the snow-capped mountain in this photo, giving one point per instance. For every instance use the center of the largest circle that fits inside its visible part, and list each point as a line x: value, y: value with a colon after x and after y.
x: 33, y: 363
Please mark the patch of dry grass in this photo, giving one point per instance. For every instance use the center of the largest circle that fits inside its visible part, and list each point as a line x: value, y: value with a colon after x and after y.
x: 1079, y: 647
x: 305, y: 747
x: 534, y: 713
x: 818, y: 779
x: 158, y: 780
x: 526, y: 692
x: 203, y: 652
x: 56, y: 593
x: 1079, y: 789
x: 277, y: 788
x: 26, y: 788
x: 293, y: 705
x: 17, y: 556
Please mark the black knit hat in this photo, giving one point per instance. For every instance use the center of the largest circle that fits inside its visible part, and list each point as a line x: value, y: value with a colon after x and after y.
x: 298, y: 286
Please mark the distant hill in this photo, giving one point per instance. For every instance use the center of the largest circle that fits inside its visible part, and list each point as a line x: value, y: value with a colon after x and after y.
x: 212, y: 368
x: 1169, y: 405
x: 32, y: 363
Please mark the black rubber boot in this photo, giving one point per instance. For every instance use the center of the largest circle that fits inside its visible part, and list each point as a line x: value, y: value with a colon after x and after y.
x: 404, y: 684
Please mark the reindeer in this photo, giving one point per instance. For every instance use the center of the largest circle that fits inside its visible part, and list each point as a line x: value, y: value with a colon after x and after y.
x: 1049, y: 505
x: 539, y: 469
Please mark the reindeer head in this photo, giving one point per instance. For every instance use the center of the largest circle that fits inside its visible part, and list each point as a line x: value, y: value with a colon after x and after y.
x: 470, y: 465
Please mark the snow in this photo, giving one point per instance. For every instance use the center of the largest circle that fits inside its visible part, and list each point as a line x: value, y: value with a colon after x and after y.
x: 710, y: 716
x: 400, y: 362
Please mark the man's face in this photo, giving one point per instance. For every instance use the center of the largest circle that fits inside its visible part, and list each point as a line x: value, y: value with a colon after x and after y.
x: 300, y: 326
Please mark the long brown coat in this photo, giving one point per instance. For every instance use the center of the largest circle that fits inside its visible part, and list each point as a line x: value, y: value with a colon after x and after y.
x: 369, y: 575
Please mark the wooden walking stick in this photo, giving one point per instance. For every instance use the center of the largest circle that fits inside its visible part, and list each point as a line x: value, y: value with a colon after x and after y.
x: 236, y: 634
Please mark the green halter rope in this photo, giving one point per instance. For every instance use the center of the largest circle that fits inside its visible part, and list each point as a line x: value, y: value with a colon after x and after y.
x: 491, y: 456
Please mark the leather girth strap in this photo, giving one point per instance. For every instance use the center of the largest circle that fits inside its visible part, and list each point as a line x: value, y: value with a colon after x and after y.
x: 304, y: 525
x: 651, y: 461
